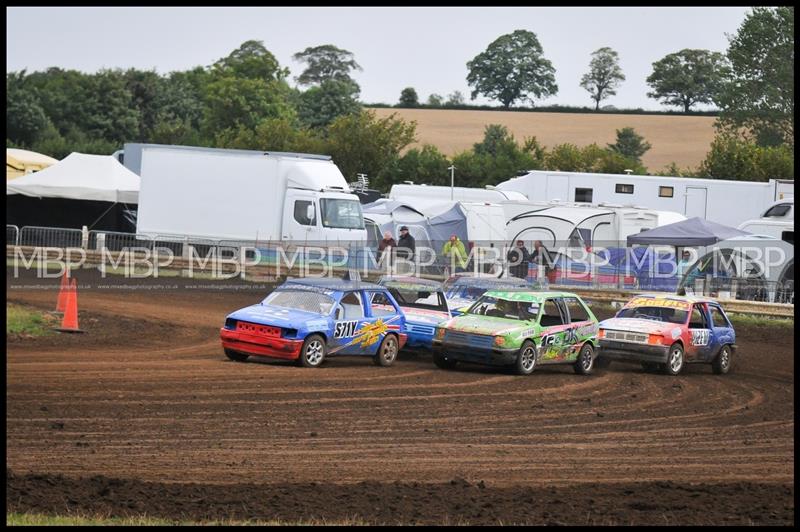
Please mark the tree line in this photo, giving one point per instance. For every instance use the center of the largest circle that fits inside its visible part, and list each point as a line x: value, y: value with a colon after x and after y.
x: 245, y: 101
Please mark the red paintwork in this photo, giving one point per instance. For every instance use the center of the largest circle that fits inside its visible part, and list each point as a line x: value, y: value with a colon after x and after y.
x: 260, y: 343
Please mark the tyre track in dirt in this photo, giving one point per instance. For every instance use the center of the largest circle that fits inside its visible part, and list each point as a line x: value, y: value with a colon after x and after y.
x: 178, y: 411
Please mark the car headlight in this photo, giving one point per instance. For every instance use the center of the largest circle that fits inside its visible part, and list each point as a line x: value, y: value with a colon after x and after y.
x: 655, y: 339
x: 499, y: 340
x: 439, y: 333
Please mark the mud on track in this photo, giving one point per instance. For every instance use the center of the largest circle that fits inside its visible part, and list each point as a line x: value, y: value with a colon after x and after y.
x: 175, y: 410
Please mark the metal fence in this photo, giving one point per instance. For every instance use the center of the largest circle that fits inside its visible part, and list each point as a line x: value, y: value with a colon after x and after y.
x: 278, y: 253
x: 12, y: 235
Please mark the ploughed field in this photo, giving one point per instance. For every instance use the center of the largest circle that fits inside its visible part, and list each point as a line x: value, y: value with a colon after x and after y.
x: 145, y: 415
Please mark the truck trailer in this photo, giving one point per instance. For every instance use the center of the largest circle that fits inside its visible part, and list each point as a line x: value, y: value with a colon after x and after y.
x: 243, y: 195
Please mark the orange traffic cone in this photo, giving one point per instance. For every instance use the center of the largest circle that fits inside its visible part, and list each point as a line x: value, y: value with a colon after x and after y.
x: 61, y: 305
x: 70, y: 321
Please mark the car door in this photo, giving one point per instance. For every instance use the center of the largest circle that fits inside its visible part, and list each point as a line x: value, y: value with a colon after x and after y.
x: 554, y: 322
x: 350, y: 318
x: 579, y: 320
x: 699, y: 347
x: 721, y: 330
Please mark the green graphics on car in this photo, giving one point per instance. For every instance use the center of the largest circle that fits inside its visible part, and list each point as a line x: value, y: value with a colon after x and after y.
x: 520, y: 328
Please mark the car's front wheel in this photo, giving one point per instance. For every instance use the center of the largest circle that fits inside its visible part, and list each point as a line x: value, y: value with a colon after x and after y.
x: 235, y: 355
x: 722, y: 363
x: 674, y: 363
x: 313, y: 351
x: 387, y: 352
x: 526, y: 358
x: 585, y: 363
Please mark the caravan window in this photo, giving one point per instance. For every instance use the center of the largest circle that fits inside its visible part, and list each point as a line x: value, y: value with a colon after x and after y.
x: 665, y: 192
x: 623, y: 189
x: 583, y: 195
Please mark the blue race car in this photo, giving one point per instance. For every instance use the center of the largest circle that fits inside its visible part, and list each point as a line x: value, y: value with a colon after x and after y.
x: 310, y: 319
x: 424, y: 304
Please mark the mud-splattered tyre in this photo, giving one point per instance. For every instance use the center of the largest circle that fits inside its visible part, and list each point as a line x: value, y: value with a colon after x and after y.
x: 387, y: 352
x: 585, y: 363
x: 722, y: 363
x: 442, y: 362
x: 235, y: 355
x: 526, y: 358
x: 313, y: 352
x: 675, y: 361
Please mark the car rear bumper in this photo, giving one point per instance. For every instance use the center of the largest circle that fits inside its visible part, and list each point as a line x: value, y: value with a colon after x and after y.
x: 487, y: 357
x: 251, y: 344
x: 633, y: 352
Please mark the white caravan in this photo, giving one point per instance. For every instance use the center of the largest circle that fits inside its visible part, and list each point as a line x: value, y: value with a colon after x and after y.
x: 722, y: 201
x: 776, y: 221
x: 423, y: 195
x: 243, y: 195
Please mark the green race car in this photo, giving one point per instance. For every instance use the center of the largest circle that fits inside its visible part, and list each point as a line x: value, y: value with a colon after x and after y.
x: 520, y: 328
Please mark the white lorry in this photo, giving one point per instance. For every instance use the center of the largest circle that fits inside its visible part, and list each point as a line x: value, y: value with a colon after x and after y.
x: 243, y: 195
x: 777, y: 221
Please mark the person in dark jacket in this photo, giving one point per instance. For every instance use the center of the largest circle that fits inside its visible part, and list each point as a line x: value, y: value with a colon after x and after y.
x: 518, y: 260
x: 406, y: 245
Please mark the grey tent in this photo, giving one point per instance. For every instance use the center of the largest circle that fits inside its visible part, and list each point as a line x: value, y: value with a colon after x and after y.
x: 692, y: 232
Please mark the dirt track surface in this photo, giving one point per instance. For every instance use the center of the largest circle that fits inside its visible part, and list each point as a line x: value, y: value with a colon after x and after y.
x: 174, y: 410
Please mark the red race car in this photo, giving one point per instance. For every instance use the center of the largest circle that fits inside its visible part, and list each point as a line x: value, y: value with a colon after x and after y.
x: 665, y: 331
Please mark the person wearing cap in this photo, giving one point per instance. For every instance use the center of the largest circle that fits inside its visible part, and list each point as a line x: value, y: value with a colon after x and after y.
x: 406, y: 245
x: 455, y: 253
x: 518, y: 259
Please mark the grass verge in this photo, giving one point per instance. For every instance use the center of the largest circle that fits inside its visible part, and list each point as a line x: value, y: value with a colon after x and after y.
x: 17, y: 519
x: 26, y: 322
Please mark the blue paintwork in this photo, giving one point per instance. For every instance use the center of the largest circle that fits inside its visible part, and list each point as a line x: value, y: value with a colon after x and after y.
x: 339, y: 333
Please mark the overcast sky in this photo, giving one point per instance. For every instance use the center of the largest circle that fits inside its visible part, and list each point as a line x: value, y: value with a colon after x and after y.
x: 425, y: 48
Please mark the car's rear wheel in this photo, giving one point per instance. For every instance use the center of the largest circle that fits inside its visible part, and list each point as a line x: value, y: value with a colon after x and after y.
x: 313, y: 351
x: 674, y: 363
x: 387, y: 352
x: 585, y: 363
x: 722, y: 363
x: 235, y: 355
x: 526, y: 358
x: 443, y: 362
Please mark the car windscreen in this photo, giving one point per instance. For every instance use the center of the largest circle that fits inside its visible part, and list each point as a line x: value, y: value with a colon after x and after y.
x: 341, y: 213
x: 504, y: 308
x: 301, y: 300
x: 669, y: 315
x: 417, y: 296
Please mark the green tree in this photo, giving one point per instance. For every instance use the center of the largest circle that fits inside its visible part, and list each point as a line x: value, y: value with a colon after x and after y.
x: 496, y: 158
x: 512, y: 68
x: 325, y: 63
x: 604, y: 75
x: 271, y: 134
x: 362, y: 143
x: 232, y: 102
x: 688, y: 77
x: 319, y: 106
x: 408, y: 98
x: 630, y: 144
x: 110, y: 110
x: 435, y: 100
x: 733, y: 158
x: 25, y: 118
x: 454, y: 98
x: 759, y: 95
x: 145, y: 88
x: 251, y: 61
x: 422, y: 165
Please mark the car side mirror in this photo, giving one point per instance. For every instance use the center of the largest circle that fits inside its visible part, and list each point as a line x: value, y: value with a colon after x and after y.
x: 310, y: 213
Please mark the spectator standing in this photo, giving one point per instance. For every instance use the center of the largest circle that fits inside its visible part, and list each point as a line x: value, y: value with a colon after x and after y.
x: 518, y: 260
